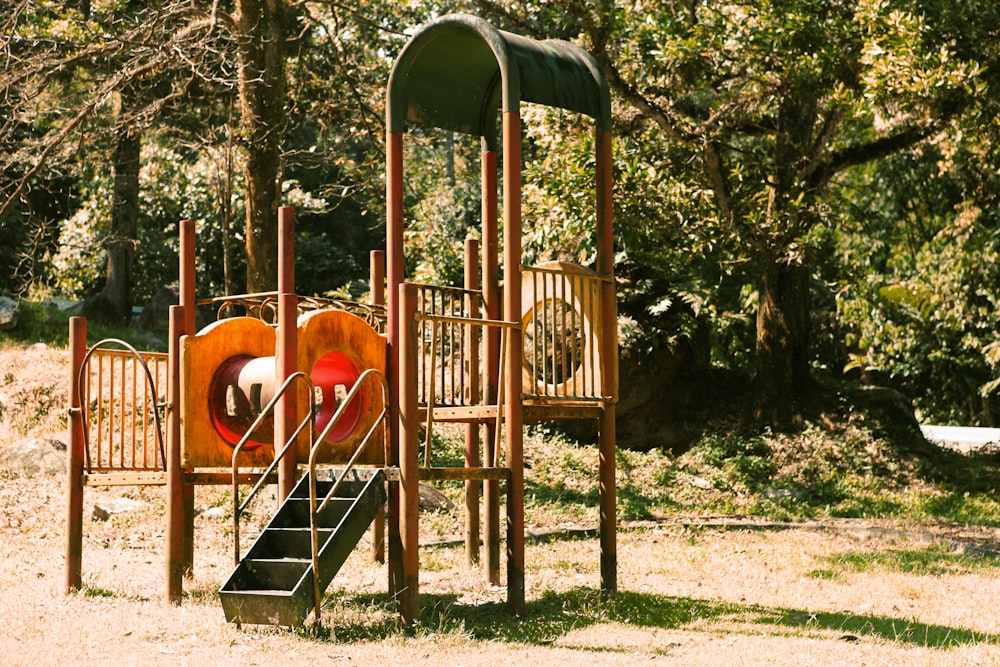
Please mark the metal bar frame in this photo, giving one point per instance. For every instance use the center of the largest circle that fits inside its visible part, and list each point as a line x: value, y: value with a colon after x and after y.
x: 308, y: 420
x: 316, y: 507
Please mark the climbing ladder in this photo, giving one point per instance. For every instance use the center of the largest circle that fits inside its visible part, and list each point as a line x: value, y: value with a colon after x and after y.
x: 273, y: 584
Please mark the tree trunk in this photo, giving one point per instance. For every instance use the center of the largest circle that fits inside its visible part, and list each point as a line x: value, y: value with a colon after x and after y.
x: 124, y: 228
x: 262, y: 100
x: 783, y: 382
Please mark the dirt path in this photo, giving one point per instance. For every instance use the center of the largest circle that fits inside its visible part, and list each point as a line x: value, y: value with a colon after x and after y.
x: 706, y: 591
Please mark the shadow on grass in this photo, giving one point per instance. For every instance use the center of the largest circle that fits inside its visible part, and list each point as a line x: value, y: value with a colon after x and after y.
x: 556, y: 614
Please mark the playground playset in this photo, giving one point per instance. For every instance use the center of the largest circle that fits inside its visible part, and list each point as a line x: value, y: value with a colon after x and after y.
x: 328, y: 399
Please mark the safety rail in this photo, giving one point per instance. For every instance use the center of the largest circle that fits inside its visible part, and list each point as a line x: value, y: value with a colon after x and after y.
x: 561, y: 327
x: 308, y: 420
x: 120, y: 402
x: 450, y: 334
x: 264, y: 305
x: 562, y: 322
x: 429, y: 400
x: 379, y: 421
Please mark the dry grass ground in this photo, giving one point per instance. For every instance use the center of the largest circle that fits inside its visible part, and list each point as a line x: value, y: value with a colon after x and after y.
x: 692, y: 592
x: 690, y: 596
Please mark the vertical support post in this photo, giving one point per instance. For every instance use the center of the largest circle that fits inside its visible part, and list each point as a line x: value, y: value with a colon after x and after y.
x: 187, y: 275
x: 609, y: 371
x: 376, y: 273
x: 491, y: 297
x: 187, y: 327
x: 376, y: 276
x: 409, y: 424
x: 176, y: 514
x: 472, y: 458
x: 394, y: 278
x: 514, y: 436
x: 286, y: 411
x: 74, y: 479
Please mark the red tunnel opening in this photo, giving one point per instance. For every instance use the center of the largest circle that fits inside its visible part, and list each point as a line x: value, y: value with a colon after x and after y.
x: 235, y: 397
x: 334, y: 376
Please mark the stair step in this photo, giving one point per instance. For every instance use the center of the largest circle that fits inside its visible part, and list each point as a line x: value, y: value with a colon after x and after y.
x: 350, y: 487
x: 288, y: 542
x: 294, y: 513
x: 264, y: 606
x: 260, y: 574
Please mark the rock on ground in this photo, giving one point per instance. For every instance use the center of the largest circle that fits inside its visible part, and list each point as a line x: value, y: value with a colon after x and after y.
x: 104, y: 509
x: 10, y: 314
x: 432, y: 500
x: 34, y: 456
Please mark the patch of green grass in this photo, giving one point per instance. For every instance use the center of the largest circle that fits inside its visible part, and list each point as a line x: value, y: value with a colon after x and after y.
x: 739, y: 461
x: 937, y: 559
x: 825, y: 573
x: 39, y: 324
x: 833, y: 470
x: 447, y: 446
x: 897, y: 630
x: 845, y: 468
x: 980, y: 509
x: 44, y: 324
x: 97, y: 592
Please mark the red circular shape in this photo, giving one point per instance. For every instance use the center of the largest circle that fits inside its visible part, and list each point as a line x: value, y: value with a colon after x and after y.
x: 232, y: 427
x: 332, y: 370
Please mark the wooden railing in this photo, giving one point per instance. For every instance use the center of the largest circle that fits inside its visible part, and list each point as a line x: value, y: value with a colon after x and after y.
x: 561, y: 333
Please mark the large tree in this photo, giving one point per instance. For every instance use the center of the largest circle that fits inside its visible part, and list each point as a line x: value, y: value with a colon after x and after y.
x: 774, y: 99
x: 262, y: 36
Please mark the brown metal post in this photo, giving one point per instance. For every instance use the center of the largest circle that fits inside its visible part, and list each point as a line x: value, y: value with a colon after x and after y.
x: 491, y: 296
x: 409, y: 424
x: 187, y: 275
x: 376, y: 273
x: 514, y: 436
x: 394, y: 231
x: 286, y: 412
x: 74, y: 479
x: 472, y: 458
x: 176, y: 523
x: 609, y: 372
x: 394, y: 278
x: 188, y: 327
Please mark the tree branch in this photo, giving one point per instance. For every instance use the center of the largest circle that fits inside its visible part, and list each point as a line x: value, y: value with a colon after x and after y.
x: 852, y: 156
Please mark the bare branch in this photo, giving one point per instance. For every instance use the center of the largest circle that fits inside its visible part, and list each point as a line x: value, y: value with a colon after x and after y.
x: 170, y: 38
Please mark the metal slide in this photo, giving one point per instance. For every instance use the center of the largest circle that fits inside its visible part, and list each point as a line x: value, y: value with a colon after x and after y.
x: 273, y: 583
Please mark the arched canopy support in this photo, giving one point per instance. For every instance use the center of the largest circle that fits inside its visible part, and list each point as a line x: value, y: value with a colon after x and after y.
x: 461, y: 74
x: 457, y: 72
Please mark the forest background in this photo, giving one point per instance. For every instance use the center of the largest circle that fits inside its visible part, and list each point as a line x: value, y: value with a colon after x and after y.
x: 805, y: 192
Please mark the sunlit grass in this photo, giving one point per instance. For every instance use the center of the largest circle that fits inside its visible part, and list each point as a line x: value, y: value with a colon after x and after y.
x: 937, y: 559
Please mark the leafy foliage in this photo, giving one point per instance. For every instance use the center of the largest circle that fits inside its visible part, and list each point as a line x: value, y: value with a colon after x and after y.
x: 851, y: 142
x: 761, y: 106
x: 918, y: 280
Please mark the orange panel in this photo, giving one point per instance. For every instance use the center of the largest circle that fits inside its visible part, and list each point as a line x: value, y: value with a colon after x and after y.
x: 204, y: 356
x: 335, y: 347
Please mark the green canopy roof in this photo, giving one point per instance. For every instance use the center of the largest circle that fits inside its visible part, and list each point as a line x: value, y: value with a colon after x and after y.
x: 456, y: 72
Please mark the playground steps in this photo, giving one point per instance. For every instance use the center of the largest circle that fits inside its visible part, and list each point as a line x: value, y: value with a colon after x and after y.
x: 273, y: 584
